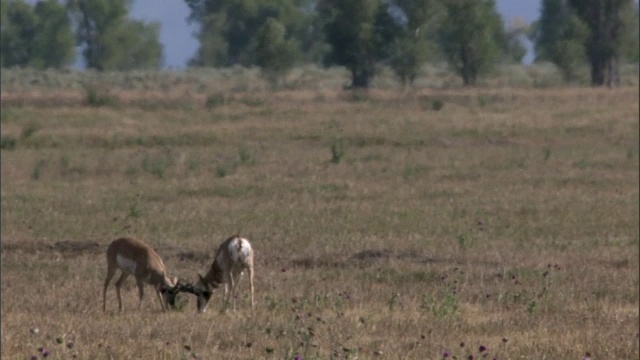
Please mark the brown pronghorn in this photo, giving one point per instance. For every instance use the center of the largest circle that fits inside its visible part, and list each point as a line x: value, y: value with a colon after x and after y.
x: 134, y: 257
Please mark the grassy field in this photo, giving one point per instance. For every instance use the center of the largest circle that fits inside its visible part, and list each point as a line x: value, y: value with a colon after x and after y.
x: 494, y: 222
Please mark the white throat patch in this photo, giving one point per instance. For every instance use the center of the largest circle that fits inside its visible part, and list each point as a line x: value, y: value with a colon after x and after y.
x: 127, y: 265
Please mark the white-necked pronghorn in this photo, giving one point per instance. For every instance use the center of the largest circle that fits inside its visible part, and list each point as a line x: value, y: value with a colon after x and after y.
x: 231, y: 259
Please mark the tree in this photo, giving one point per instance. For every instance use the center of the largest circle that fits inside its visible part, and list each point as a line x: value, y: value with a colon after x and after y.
x: 605, y: 20
x: 132, y: 44
x: 229, y: 28
x: 409, y: 53
x: 214, y: 48
x: 357, y: 32
x: 310, y: 34
x: 274, y: 53
x: 112, y: 41
x: 559, y: 37
x: 4, y: 9
x: 39, y: 37
x: 18, y: 32
x: 417, y: 23
x: 472, y: 37
x: 514, y: 49
x: 54, y: 44
x: 631, y: 36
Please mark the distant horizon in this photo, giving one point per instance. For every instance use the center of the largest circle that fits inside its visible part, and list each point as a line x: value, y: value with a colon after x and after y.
x: 180, y: 45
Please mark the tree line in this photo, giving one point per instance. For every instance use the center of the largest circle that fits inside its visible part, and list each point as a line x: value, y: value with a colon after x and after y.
x: 361, y: 35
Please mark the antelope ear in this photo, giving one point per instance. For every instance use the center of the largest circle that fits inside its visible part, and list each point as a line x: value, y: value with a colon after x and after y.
x: 201, y: 279
x: 175, y: 281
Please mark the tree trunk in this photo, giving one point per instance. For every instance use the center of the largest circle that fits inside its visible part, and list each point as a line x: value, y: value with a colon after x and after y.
x: 467, y: 71
x: 613, y: 73
x: 597, y: 71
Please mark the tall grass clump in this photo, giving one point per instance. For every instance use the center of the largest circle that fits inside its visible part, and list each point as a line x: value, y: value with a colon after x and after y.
x: 36, y: 173
x: 8, y: 142
x: 245, y: 155
x: 215, y: 100
x: 224, y: 169
x: 443, y: 309
x: 338, y: 150
x: 157, y: 164
x: 29, y: 130
x: 436, y: 104
x: 431, y: 103
x: 97, y: 98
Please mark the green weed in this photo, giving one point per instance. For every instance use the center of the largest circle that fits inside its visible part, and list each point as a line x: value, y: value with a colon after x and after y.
x: 29, y: 130
x: 436, y: 104
x: 8, y: 142
x: 246, y: 155
x: 97, y: 98
x: 134, y: 212
x: 445, y: 309
x: 36, y: 174
x: 338, y: 150
x: 157, y: 164
x: 215, y: 100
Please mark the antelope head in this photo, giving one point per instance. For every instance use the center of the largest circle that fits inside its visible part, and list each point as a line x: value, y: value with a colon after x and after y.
x: 202, y: 292
x: 169, y: 291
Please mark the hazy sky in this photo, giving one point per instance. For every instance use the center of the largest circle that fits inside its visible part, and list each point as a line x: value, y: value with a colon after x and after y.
x: 180, y: 45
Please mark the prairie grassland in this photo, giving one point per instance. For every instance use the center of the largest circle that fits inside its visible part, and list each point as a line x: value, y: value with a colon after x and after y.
x: 385, y: 225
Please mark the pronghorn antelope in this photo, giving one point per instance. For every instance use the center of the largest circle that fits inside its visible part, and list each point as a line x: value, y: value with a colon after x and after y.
x: 232, y: 258
x: 134, y: 257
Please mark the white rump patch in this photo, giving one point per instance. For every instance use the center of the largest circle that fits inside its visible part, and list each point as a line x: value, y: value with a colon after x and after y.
x: 127, y: 265
x: 240, y: 255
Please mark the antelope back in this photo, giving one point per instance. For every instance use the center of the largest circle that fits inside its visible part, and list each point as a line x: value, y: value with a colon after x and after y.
x: 137, y: 258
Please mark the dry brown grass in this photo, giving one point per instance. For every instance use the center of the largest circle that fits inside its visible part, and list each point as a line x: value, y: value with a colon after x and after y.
x: 509, y: 219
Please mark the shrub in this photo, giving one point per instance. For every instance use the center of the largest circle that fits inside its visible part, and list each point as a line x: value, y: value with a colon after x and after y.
x: 337, y: 150
x: 157, y: 165
x: 37, y: 170
x: 245, y: 154
x: 215, y: 100
x: 427, y: 103
x: 358, y: 96
x: 437, y: 104
x: 29, y: 130
x: 8, y: 142
x: 223, y: 170
x: 98, y: 98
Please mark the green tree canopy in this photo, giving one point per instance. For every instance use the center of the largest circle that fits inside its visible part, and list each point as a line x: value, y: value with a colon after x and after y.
x: 358, y: 32
x: 605, y: 20
x: 559, y: 37
x: 631, y: 35
x: 39, y: 36
x: 414, y: 41
x: 54, y: 44
x: 472, y: 37
x: 274, y: 53
x: 516, y: 32
x: 132, y: 44
x: 229, y: 28
x: 111, y: 40
x: 18, y: 32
